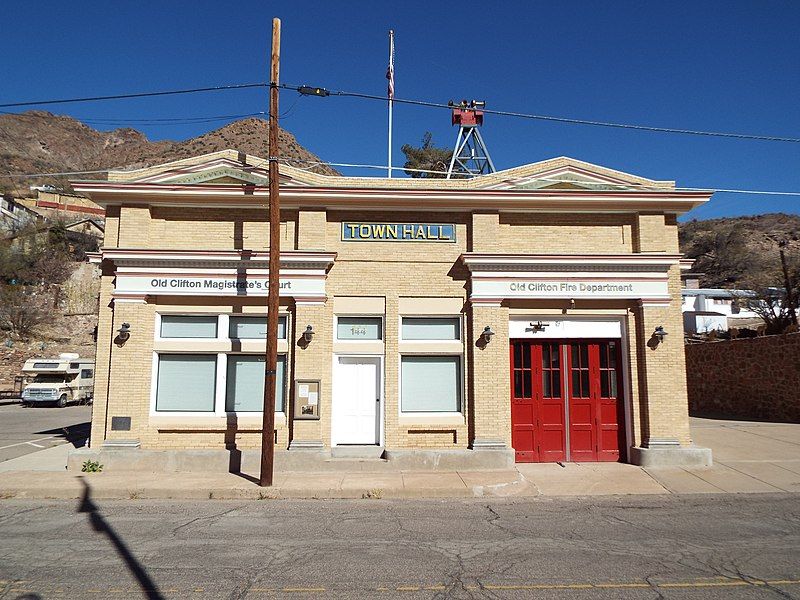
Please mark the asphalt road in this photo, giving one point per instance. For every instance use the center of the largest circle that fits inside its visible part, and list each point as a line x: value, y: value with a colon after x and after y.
x: 727, y: 546
x: 25, y: 430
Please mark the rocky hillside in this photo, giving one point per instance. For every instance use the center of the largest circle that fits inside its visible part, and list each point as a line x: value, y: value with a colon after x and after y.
x: 742, y: 251
x: 41, y: 142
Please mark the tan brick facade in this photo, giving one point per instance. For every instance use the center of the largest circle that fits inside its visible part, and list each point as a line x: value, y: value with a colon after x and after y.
x: 397, y: 276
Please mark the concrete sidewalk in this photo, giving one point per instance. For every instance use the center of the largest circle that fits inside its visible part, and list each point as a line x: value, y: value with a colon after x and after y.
x: 749, y: 457
x: 50, y: 459
x: 198, y: 486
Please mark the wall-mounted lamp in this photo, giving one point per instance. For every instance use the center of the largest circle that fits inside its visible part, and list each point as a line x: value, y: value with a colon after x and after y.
x: 308, y: 334
x: 538, y: 326
x: 660, y: 334
x: 124, y: 333
x: 487, y: 334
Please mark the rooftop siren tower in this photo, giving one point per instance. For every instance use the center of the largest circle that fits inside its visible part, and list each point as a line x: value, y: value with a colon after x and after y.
x: 470, y: 155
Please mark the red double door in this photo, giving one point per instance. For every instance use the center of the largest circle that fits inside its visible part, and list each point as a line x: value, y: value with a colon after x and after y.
x: 566, y: 401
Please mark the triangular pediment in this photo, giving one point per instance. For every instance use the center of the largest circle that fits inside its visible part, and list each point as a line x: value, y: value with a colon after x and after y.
x: 229, y: 167
x: 226, y: 167
x: 567, y: 178
x: 568, y: 174
x: 220, y: 175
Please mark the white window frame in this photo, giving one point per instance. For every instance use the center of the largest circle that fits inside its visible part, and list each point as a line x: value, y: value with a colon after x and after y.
x: 220, y: 388
x: 182, y: 413
x: 254, y: 412
x: 201, y: 340
x: 226, y: 318
x: 380, y: 340
x: 459, y: 340
x: 223, y: 326
x: 431, y: 414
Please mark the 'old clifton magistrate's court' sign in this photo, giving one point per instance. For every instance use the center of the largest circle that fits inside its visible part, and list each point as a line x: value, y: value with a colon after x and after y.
x: 398, y: 232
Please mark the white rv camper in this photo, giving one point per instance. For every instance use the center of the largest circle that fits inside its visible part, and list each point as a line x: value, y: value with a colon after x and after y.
x: 61, y: 380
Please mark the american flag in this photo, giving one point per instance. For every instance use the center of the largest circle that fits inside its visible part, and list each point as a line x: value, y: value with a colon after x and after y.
x: 390, y: 69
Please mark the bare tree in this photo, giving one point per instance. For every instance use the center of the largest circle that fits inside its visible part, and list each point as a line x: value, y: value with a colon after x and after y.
x: 768, y: 303
x: 23, y: 309
x: 775, y: 295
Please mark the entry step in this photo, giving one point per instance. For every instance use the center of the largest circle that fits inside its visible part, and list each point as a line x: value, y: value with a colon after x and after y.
x: 371, y: 451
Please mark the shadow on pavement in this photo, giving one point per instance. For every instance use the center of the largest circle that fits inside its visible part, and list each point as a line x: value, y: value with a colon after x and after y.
x: 99, y: 524
x: 75, y: 434
x: 717, y: 416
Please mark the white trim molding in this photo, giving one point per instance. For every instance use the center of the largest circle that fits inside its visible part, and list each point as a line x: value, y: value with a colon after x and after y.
x: 142, y: 273
x: 499, y: 277
x: 563, y: 328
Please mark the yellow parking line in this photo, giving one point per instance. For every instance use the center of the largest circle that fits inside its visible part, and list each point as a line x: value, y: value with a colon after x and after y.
x: 541, y: 586
x: 688, y: 584
x: 621, y: 585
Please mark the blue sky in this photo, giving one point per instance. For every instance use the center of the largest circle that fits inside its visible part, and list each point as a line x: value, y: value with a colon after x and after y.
x: 725, y: 66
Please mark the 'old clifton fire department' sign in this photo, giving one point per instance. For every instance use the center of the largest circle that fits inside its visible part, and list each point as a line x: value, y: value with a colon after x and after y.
x: 398, y: 232
x: 502, y: 287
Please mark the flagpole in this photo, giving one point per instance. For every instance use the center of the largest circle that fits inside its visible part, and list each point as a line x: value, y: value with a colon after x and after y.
x: 390, y: 76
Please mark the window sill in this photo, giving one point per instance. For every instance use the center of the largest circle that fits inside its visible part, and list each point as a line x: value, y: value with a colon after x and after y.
x: 432, y: 419
x: 213, y: 421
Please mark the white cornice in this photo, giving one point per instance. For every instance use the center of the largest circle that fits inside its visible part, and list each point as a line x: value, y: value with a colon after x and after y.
x: 550, y: 200
x: 586, y: 263
x: 500, y: 277
x: 222, y: 259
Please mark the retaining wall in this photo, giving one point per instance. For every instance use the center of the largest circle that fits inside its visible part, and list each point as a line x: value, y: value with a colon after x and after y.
x: 753, y: 378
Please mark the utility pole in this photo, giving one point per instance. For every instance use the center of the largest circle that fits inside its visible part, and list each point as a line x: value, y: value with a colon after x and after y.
x: 788, y: 285
x: 271, y: 366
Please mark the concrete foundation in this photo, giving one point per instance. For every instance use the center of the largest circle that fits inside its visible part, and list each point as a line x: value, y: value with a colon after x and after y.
x: 233, y: 461
x: 671, y: 456
x: 451, y: 460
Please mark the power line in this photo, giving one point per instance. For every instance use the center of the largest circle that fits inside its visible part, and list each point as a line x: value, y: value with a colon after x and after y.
x: 154, y: 120
x: 236, y: 86
x: 61, y: 174
x: 172, y: 121
x: 629, y: 187
x: 505, y: 113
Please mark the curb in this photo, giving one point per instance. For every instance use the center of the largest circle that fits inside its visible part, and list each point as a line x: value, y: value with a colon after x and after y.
x: 73, y: 489
x: 255, y: 493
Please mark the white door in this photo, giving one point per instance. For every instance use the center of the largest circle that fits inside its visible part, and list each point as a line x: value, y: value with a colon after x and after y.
x: 356, y: 400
